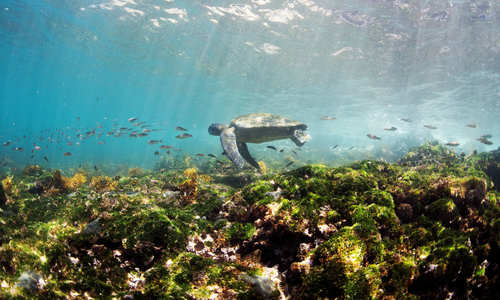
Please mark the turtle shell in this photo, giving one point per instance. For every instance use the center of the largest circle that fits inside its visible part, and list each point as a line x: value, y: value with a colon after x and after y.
x: 264, y: 127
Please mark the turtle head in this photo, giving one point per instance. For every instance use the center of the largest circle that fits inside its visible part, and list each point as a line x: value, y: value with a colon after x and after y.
x: 216, y: 129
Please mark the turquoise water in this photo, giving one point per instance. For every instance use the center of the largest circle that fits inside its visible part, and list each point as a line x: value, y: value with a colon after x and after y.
x: 69, y: 67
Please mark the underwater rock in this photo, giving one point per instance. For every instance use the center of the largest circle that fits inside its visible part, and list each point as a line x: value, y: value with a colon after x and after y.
x: 237, y: 180
x: 264, y: 286
x: 30, y: 281
x: 93, y: 227
x: 3, y: 197
x: 404, y: 211
x: 276, y: 194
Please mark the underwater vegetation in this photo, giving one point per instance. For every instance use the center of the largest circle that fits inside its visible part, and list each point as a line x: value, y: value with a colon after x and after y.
x: 426, y: 227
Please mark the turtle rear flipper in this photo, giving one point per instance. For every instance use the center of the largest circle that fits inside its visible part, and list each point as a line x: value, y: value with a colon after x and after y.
x: 228, y: 141
x: 243, y: 149
x: 299, y: 137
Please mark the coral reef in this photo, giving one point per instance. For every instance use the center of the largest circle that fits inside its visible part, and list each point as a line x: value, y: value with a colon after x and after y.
x: 426, y: 227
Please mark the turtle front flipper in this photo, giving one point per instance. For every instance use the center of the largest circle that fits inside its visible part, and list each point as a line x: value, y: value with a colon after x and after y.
x: 299, y: 137
x: 228, y: 141
x: 243, y: 149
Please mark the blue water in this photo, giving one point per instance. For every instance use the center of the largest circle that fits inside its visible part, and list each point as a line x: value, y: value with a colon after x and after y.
x: 68, y: 67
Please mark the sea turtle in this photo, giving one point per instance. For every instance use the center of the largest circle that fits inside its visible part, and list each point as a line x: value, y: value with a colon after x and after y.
x: 256, y: 128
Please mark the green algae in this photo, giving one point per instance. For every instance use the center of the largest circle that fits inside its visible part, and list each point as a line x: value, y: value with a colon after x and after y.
x: 423, y: 228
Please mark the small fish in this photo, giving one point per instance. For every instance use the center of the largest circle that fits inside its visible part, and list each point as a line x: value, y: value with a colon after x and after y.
x: 134, y: 135
x: 36, y: 147
x: 453, y: 144
x: 179, y: 128
x: 487, y: 136
x: 70, y: 144
x: 124, y: 128
x: 430, y: 127
x: 471, y: 125
x: 157, y: 152
x: 95, y: 168
x: 165, y: 147
x: 294, y: 152
x: 132, y: 119
x: 67, y: 154
x: 100, y: 143
x: 211, y: 155
x: 7, y: 143
x: 333, y: 147
x: 18, y: 149
x: 142, y: 134
x: 352, y: 147
x: 183, y: 136
x: 168, y: 152
x: 289, y: 164
x: 281, y: 151
x: 154, y: 142
x: 485, y: 141
x: 272, y: 147
x: 147, y: 130
x: 373, y: 137
x: 392, y: 128
x: 327, y: 118
x: 109, y: 133
x: 46, y: 159
x: 78, y: 118
x: 405, y: 120
x: 200, y: 154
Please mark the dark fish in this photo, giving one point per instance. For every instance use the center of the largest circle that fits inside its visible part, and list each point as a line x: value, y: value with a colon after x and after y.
x: 46, y: 159
x: 140, y: 123
x: 453, y: 144
x: 294, y: 152
x: 134, y: 135
x: 405, y: 120
x: 200, y: 154
x: 18, y: 149
x: 282, y: 150
x: 168, y: 152
x: 211, y: 155
x: 132, y: 119
x: 154, y: 142
x: 352, y: 147
x: 142, y: 134
x: 392, y: 128
x: 327, y: 118
x: 289, y: 164
x: 487, y: 136
x: 124, y: 128
x: 272, y: 147
x: 373, y: 137
x: 471, y: 125
x: 485, y: 141
x: 165, y: 147
x: 32, y: 156
x: 95, y: 167
x: 179, y: 128
x: 78, y: 118
x: 430, y: 127
x: 183, y: 136
x: 157, y: 152
x: 7, y: 143
x: 67, y: 154
x: 334, y: 147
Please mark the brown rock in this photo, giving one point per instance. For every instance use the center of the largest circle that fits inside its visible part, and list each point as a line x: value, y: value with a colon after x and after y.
x: 404, y: 211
